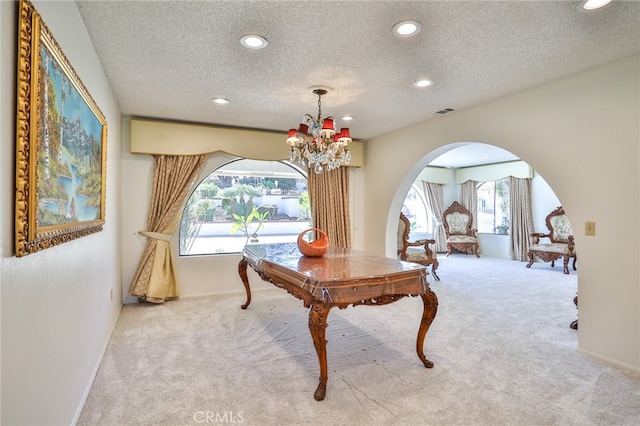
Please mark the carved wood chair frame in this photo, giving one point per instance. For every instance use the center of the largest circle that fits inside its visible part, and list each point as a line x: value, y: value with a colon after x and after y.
x: 552, y: 256
x: 469, y: 232
x: 430, y: 255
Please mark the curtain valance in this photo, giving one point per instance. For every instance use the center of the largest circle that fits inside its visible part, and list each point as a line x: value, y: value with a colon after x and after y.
x: 491, y: 172
x: 170, y: 138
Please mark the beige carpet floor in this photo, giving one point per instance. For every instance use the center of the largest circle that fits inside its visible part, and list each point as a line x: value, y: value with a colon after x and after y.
x: 503, y: 351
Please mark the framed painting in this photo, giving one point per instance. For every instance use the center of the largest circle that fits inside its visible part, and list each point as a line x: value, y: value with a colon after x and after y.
x: 61, y: 138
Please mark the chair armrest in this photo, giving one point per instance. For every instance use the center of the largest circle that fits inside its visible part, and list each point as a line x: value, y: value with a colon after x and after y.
x: 571, y: 243
x: 540, y: 235
x: 535, y: 237
x: 424, y: 243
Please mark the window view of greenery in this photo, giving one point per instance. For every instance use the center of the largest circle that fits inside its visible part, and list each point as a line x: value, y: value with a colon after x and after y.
x: 245, y: 202
x: 415, y: 209
x: 493, y: 207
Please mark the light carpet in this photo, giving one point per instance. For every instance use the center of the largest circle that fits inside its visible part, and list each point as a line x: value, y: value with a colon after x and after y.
x: 503, y: 351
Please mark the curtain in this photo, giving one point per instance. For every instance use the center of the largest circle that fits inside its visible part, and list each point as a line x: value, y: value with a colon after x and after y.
x: 173, y: 177
x: 469, y: 200
x: 521, y: 217
x: 329, y: 198
x: 435, y: 203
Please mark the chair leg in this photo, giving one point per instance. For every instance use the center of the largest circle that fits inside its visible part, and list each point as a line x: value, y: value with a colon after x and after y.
x: 531, y: 259
x: 574, y: 262
x: 433, y: 270
x: 566, y: 264
x: 574, y: 324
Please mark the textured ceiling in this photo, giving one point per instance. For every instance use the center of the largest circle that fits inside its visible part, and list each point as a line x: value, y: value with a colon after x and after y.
x: 167, y: 59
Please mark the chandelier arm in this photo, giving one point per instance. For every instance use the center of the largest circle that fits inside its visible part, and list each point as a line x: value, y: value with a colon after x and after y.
x: 310, y: 120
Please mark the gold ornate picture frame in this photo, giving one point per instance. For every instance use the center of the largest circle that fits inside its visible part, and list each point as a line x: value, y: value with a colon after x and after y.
x: 61, y: 141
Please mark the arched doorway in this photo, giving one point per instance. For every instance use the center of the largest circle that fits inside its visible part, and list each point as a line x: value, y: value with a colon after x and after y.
x: 487, y: 160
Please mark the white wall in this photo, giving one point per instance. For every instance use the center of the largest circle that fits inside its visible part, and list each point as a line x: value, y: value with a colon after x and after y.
x: 544, y: 201
x: 581, y: 133
x: 57, y: 315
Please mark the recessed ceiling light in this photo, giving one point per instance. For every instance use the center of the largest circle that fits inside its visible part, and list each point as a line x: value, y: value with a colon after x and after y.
x: 220, y: 101
x: 422, y: 83
x: 252, y: 41
x: 347, y: 118
x: 593, y: 4
x: 407, y: 28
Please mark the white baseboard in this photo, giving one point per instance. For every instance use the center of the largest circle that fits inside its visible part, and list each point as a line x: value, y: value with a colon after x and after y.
x: 228, y: 293
x: 85, y: 395
x: 610, y: 361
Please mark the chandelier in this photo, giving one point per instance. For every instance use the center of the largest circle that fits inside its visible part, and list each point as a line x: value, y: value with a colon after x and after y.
x: 324, y: 148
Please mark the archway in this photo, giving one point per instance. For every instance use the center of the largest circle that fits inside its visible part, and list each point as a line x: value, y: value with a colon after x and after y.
x: 495, y: 244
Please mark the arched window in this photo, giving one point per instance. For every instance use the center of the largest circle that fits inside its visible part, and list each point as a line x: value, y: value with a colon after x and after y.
x: 245, y: 202
x: 415, y: 209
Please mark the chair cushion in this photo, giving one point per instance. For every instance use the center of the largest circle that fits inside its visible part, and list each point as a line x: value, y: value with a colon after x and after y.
x: 560, y: 248
x: 457, y: 239
x: 417, y: 254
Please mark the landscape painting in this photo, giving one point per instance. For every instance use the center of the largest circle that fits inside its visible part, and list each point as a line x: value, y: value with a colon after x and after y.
x: 61, y: 145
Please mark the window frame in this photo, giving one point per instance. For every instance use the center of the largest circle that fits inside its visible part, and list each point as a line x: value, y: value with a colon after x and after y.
x: 265, y: 179
x: 425, y: 231
x: 504, y: 225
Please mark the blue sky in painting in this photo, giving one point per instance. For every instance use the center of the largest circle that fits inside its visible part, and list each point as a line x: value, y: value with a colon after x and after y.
x: 74, y: 105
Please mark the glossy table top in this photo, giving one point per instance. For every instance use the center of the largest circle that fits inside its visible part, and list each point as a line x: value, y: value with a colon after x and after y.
x: 340, y: 276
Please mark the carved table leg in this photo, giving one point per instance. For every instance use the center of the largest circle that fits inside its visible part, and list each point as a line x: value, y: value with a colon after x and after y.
x: 317, y: 325
x: 242, y: 270
x: 430, y: 303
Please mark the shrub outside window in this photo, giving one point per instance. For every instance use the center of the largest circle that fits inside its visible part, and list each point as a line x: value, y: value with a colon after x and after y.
x: 493, y: 207
x: 245, y: 202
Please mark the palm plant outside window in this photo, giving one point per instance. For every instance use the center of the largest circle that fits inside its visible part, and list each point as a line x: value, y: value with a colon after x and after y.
x: 245, y: 202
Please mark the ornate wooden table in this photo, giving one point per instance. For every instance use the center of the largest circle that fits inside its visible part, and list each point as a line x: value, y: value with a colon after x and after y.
x: 340, y: 278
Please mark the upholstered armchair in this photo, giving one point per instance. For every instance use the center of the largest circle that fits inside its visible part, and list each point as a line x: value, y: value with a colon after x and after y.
x: 415, y: 251
x: 560, y: 243
x: 457, y: 222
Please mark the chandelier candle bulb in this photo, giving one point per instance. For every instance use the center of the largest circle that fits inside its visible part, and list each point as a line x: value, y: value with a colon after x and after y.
x: 345, y: 137
x: 328, y: 130
x: 292, y: 139
x: 303, y: 129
